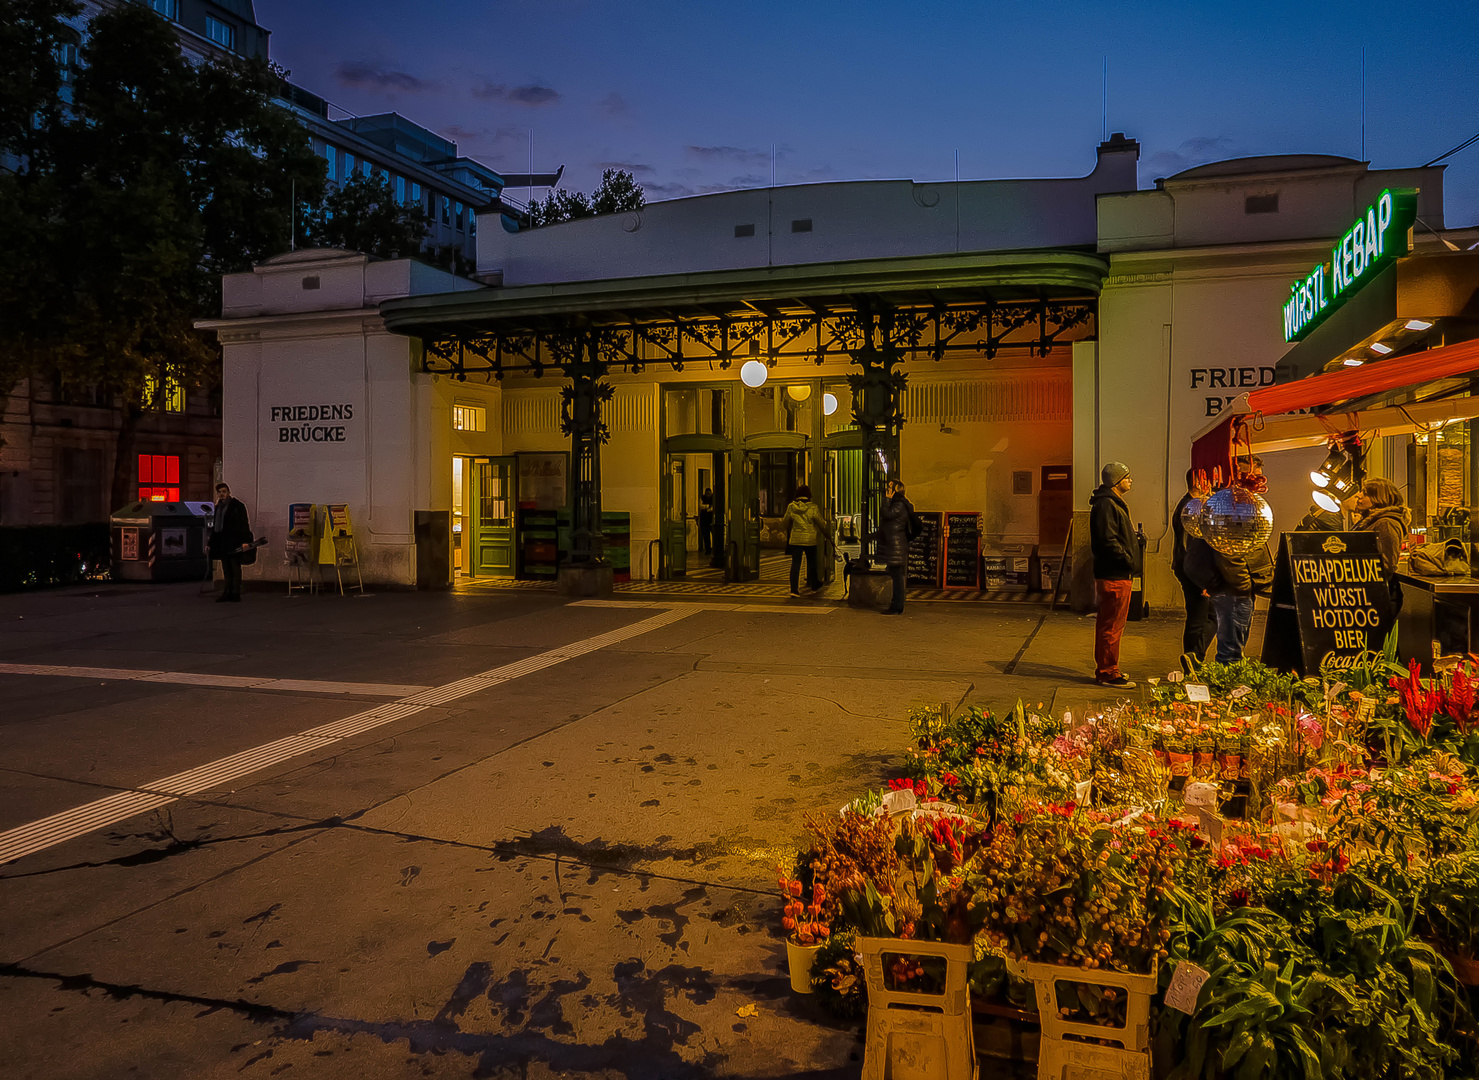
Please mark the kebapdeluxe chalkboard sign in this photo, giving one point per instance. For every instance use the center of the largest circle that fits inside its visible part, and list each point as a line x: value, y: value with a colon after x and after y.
x: 923, y: 565
x: 962, y: 550
x: 1330, y: 599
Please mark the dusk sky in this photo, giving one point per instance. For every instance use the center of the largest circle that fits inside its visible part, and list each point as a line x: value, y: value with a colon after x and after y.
x: 691, y: 96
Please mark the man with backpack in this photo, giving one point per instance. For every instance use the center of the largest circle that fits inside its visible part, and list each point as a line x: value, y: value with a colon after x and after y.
x: 1116, y: 563
x: 898, y: 525
x: 1232, y: 581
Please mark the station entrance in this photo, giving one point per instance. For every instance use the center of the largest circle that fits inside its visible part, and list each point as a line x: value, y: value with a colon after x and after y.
x: 733, y: 457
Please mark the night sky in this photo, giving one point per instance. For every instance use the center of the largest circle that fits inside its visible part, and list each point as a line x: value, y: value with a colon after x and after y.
x: 692, y: 96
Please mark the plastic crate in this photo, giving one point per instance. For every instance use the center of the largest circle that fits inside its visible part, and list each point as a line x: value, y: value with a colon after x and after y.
x: 916, y: 1035
x: 1059, y: 1060
x: 1134, y: 1036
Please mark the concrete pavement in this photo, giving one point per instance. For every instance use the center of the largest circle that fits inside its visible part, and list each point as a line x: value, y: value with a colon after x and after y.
x: 566, y: 872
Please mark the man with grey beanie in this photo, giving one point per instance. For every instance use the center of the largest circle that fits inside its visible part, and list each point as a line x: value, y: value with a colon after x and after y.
x: 1116, y: 561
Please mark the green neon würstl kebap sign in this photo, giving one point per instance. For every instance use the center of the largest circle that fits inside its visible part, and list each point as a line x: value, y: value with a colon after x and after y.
x: 1379, y: 237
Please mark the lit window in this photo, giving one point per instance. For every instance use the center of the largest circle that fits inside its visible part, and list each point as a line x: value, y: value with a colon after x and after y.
x: 348, y: 165
x: 400, y: 190
x: 173, y: 399
x: 222, y: 33
x: 469, y: 418
x: 472, y: 222
x: 446, y: 210
x: 458, y: 207
x: 159, y: 478
x: 329, y: 155
x: 66, y: 57
x: 364, y: 166
x: 170, y: 9
x: 416, y: 194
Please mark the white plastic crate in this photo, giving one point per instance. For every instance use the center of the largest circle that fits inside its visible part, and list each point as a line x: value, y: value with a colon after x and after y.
x: 1134, y: 1036
x: 917, y: 1036
x: 1060, y: 1060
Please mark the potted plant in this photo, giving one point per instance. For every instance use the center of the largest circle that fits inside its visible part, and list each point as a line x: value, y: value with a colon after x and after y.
x: 806, y: 929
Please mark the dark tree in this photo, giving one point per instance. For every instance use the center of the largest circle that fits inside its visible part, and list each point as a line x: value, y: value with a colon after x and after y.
x: 618, y: 191
x: 364, y: 216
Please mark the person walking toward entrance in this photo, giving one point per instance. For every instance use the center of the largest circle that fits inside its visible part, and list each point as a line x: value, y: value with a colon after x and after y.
x: 706, y: 522
x: 1201, y: 624
x: 230, y: 531
x: 805, y: 527
x: 1116, y: 561
x: 894, y: 531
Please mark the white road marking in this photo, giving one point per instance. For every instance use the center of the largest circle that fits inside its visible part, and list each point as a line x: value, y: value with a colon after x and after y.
x: 90, y: 817
x: 764, y: 609
x: 233, y: 682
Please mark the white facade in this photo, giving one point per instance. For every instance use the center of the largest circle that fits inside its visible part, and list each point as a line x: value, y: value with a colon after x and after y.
x: 322, y: 405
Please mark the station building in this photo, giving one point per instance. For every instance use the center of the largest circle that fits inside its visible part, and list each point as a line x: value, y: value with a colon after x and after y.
x: 990, y: 342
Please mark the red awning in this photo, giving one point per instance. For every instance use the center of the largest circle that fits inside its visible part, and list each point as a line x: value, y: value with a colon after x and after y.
x: 1369, y: 388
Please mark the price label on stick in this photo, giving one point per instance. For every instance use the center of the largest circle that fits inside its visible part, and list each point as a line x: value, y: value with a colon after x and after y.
x: 1186, y: 984
x: 1200, y: 795
x: 1197, y: 692
x: 1240, y: 692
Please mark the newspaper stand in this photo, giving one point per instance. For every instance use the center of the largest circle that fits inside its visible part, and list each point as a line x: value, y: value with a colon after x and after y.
x: 918, y: 1035
x: 338, y: 547
x: 1061, y: 1056
x: 301, y: 546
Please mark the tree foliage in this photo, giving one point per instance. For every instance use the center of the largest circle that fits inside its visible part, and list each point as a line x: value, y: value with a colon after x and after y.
x: 618, y: 191
x: 125, y: 207
x: 363, y: 215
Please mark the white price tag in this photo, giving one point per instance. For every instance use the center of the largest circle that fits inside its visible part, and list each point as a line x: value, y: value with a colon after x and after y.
x: 1186, y: 984
x: 1240, y: 692
x: 896, y: 802
x: 1211, y: 827
x: 1131, y: 816
x: 1337, y: 688
x: 1082, y: 791
x: 1366, y: 710
x: 1174, y: 676
x: 1200, y: 795
x: 1196, y: 691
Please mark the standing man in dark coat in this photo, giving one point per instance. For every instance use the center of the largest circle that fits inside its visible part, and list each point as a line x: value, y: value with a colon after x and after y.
x: 893, y: 541
x: 1201, y: 623
x: 230, y: 531
x: 1116, y: 562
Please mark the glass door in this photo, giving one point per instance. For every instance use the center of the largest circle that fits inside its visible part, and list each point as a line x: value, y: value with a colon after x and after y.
x: 492, y: 499
x: 675, y: 517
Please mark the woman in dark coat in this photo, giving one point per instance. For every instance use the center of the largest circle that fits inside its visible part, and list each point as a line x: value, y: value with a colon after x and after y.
x: 1381, y: 509
x: 893, y: 541
x: 230, y: 531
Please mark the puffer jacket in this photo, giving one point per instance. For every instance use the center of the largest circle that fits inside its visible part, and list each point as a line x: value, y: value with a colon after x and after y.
x: 1391, y: 524
x: 893, y: 532
x: 1112, y: 537
x: 806, y: 521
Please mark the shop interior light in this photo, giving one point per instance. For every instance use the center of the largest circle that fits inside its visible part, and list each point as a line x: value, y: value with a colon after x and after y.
x: 799, y: 392
x: 753, y: 373
x: 1325, y: 501
x: 1351, y: 361
x: 1419, y: 324
x: 1380, y: 348
x: 829, y: 404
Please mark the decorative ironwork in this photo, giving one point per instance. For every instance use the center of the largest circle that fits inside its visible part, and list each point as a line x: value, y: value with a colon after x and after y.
x: 931, y: 332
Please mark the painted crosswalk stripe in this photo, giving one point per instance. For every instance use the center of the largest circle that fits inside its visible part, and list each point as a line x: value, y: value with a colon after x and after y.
x: 90, y: 817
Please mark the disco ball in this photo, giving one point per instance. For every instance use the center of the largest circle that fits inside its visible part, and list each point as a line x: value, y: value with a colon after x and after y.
x: 1189, y: 520
x: 1235, y: 521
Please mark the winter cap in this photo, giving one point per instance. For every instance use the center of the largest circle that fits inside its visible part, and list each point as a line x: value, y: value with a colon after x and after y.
x: 1113, y: 472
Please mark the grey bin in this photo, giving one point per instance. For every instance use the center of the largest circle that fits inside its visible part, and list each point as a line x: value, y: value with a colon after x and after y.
x: 160, y: 541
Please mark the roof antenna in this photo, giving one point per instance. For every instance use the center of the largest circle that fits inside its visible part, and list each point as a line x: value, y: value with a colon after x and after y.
x: 1104, y: 103
x: 1363, y: 102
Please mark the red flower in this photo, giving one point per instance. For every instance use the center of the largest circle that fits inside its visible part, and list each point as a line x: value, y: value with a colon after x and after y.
x: 949, y: 779
x: 1198, y: 841
x: 1418, y: 702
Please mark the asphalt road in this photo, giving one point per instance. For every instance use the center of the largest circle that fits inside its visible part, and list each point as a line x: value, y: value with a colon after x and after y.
x: 448, y: 835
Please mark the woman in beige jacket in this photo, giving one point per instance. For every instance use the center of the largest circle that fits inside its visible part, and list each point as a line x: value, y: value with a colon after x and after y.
x: 805, y: 527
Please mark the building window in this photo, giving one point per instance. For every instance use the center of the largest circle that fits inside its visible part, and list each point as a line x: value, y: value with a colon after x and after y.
x: 1261, y: 204
x: 170, y: 9
x: 458, y: 208
x: 173, y: 398
x: 400, y: 190
x: 222, y: 33
x: 472, y: 222
x: 446, y: 211
x: 469, y: 418
x: 66, y: 58
x: 416, y: 195
x: 331, y: 164
x: 159, y: 478
x: 348, y: 166
x: 79, y: 485
x: 364, y: 166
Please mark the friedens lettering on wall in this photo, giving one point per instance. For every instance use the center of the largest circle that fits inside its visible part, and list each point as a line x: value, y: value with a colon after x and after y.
x: 306, y: 423
x: 1236, y: 379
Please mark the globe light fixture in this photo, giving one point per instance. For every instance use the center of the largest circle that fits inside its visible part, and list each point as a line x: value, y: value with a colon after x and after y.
x: 753, y: 373
x: 799, y: 391
x: 829, y: 404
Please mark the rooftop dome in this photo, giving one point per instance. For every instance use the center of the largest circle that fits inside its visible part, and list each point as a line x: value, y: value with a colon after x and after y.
x: 1265, y: 163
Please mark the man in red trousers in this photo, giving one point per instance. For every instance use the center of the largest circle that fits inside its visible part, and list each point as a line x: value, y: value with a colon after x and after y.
x: 1116, y: 562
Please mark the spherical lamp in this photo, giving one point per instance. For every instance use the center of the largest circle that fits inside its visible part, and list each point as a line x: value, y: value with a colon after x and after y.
x: 753, y: 373
x: 1235, y: 521
x: 799, y: 391
x: 829, y: 404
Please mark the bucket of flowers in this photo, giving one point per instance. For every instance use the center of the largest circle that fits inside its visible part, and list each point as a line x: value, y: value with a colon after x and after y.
x: 806, y: 925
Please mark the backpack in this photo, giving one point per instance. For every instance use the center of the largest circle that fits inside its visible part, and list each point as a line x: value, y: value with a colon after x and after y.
x: 1449, y: 558
x: 1200, y: 565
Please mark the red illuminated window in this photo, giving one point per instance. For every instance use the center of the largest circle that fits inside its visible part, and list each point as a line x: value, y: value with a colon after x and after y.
x: 159, y: 478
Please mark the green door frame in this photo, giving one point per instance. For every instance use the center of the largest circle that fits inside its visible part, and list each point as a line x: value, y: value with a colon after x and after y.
x: 491, y: 552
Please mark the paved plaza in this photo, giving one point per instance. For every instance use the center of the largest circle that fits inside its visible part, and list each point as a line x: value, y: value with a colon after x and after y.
x: 488, y: 833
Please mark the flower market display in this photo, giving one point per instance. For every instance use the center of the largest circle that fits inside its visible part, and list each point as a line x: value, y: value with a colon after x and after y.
x: 1293, y: 862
